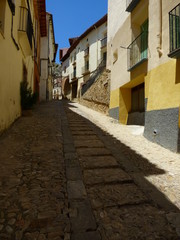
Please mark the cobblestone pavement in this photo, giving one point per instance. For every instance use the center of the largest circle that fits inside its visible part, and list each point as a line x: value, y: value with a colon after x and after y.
x: 64, y: 178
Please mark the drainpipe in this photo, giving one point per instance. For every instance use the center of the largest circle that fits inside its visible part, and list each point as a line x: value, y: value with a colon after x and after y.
x: 159, y: 25
x: 12, y: 36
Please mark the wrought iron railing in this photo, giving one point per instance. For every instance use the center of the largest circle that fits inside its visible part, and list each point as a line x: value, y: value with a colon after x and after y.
x: 138, y: 50
x: 25, y: 23
x: 103, y: 42
x: 174, y: 28
x: 131, y: 4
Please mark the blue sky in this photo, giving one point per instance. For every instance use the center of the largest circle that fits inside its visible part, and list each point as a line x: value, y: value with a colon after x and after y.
x: 73, y: 17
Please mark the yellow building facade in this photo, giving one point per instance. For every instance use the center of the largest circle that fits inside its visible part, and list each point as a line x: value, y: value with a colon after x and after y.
x: 144, y: 59
x: 21, y: 26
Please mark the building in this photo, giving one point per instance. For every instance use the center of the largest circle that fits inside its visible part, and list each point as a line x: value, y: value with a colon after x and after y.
x: 22, y: 24
x: 48, y: 55
x: 84, y: 56
x: 57, y: 89
x: 143, y: 56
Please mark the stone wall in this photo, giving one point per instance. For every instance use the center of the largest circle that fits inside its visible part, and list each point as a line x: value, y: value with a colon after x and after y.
x: 98, y: 95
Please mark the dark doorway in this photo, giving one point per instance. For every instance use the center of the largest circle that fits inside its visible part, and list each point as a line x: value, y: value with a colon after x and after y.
x: 74, y: 89
x: 137, y: 114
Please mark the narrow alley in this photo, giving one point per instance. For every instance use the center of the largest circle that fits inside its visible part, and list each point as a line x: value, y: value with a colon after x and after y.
x: 63, y: 178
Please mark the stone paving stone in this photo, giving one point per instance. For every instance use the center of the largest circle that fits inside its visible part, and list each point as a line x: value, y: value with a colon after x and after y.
x: 80, y: 128
x: 110, y: 175
x: 143, y: 222
x: 115, y: 195
x: 82, y: 219
x: 70, y: 155
x: 88, y: 143
x: 76, y: 190
x: 86, y: 236
x: 71, y: 162
x: 83, y: 133
x: 98, y: 162
x: 73, y: 173
x: 93, y: 152
x: 82, y: 137
x: 33, y: 176
x: 69, y: 148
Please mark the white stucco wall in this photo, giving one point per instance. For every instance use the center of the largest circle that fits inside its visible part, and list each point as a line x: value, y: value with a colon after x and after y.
x: 47, y: 56
x: 93, y: 40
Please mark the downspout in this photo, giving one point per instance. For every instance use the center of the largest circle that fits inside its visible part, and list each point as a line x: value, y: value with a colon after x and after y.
x: 159, y: 25
x: 14, y: 41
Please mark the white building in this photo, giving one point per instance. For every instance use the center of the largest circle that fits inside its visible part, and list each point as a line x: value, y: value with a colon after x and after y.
x: 83, y: 57
x: 48, y: 54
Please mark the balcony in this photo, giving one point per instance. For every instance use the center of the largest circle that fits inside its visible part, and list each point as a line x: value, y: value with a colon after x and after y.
x: 131, y: 4
x: 138, y: 51
x: 25, y: 31
x: 104, y: 42
x: 174, y: 32
x: 86, y: 52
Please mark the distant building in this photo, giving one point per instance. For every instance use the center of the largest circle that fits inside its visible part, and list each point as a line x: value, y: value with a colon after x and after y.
x: 48, y: 55
x: 144, y: 59
x: 57, y: 88
x: 81, y: 60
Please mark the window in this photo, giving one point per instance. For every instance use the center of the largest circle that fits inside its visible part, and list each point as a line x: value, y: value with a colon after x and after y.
x: 138, y: 49
x: 74, y: 72
x: 174, y: 30
x: 87, y: 65
x: 144, y: 39
x: 137, y: 99
x: 2, y: 15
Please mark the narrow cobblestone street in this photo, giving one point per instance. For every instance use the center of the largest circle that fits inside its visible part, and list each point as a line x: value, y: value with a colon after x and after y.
x: 63, y: 178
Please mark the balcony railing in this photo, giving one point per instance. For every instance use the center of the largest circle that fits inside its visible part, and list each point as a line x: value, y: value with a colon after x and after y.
x: 131, y: 4
x: 174, y: 32
x: 25, y: 23
x: 138, y: 51
x: 86, y: 52
x: 104, y: 42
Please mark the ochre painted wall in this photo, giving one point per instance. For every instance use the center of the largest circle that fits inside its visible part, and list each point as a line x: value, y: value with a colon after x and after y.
x: 11, y: 70
x: 114, y: 99
x: 125, y: 104
x: 164, y: 91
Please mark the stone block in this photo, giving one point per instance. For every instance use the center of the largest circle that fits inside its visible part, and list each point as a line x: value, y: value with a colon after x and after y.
x: 93, y: 151
x: 84, y: 219
x: 76, y: 190
x: 98, y: 161
x: 115, y: 195
x: 110, y: 175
